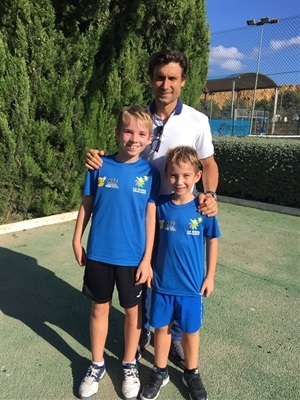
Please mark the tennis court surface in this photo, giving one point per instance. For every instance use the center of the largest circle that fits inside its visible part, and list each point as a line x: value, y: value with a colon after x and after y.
x: 249, y: 341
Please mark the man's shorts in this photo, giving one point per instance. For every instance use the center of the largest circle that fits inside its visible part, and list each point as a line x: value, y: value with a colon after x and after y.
x: 100, y: 279
x: 188, y: 311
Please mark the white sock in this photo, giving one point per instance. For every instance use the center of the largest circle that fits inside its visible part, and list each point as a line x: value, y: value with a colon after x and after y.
x: 128, y: 362
x: 99, y: 364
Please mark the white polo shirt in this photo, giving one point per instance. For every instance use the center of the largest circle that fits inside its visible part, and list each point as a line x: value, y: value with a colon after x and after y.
x: 185, y: 127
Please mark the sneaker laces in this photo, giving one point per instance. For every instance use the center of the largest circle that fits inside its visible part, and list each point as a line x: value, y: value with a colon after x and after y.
x: 131, y: 373
x: 93, y: 373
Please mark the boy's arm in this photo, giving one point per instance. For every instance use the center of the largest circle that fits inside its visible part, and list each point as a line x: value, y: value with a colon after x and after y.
x: 93, y: 159
x: 144, y: 272
x: 211, y: 264
x: 83, y: 217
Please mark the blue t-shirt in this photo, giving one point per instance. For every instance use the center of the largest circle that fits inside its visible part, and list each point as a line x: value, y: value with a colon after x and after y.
x: 121, y: 192
x: 179, y: 267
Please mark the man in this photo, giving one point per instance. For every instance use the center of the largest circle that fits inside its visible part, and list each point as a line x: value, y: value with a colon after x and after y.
x: 175, y: 124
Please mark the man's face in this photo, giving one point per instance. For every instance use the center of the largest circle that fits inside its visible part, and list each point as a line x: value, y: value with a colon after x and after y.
x: 166, y: 83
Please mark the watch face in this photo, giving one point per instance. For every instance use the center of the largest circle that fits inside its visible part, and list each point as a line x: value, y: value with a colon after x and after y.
x: 214, y: 195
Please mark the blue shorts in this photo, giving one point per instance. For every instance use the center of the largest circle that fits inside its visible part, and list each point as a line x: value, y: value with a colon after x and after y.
x: 187, y: 311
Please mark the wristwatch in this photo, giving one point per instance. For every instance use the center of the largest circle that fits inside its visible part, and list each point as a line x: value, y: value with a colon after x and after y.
x: 214, y: 194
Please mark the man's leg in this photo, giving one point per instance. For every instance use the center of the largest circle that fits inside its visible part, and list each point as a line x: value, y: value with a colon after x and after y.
x: 146, y: 307
x: 145, y: 337
x: 176, y: 346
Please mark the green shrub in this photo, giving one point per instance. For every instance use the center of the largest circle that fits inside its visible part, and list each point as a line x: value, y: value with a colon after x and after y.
x: 261, y: 169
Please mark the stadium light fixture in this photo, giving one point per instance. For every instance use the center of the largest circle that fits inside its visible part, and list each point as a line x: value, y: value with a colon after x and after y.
x: 261, y: 22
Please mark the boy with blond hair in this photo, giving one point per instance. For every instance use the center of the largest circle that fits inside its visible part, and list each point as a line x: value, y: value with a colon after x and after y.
x: 120, y: 244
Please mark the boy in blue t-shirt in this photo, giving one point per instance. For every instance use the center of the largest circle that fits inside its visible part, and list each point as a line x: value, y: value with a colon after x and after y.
x: 121, y: 198
x: 180, y: 279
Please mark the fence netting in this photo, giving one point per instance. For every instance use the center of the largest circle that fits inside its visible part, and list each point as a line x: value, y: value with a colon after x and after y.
x: 253, y: 84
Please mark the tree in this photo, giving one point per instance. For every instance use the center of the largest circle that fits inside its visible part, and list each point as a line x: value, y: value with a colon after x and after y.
x: 67, y: 67
x: 264, y: 105
x: 43, y: 78
x: 290, y: 103
x: 138, y: 29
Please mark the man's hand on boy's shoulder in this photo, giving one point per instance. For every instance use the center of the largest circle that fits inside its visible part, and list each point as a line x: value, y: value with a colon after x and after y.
x: 207, y: 205
x: 93, y: 159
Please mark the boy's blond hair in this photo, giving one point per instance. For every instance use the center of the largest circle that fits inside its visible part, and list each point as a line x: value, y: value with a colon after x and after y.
x: 183, y: 154
x: 139, y: 113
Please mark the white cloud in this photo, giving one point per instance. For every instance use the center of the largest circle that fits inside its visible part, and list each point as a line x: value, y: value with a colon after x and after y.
x: 226, y: 58
x: 280, y: 44
x: 232, y: 65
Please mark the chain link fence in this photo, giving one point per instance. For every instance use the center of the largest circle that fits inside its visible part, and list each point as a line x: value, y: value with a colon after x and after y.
x: 253, y: 84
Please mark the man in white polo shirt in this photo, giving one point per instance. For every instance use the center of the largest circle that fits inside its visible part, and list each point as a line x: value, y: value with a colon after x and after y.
x: 175, y: 124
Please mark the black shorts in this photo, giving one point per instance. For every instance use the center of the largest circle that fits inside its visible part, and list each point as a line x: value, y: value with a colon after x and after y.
x: 99, y: 282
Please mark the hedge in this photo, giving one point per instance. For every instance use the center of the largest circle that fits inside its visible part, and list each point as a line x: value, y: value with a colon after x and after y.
x: 261, y: 169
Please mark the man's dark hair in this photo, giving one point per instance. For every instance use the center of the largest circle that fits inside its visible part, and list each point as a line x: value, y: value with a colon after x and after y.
x: 165, y: 57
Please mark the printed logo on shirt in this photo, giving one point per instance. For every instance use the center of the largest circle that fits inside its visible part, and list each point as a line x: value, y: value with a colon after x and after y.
x: 167, y: 225
x: 112, y: 183
x: 139, y: 184
x: 193, y: 225
x: 101, y: 181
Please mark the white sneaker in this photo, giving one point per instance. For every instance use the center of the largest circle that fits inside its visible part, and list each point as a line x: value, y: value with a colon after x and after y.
x: 131, y: 383
x: 90, y: 383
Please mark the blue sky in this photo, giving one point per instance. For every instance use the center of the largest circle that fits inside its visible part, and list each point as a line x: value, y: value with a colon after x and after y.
x: 229, y: 14
x: 236, y: 50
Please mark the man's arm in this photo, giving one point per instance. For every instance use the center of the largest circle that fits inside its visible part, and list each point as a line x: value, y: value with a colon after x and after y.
x: 93, y: 159
x: 210, y: 179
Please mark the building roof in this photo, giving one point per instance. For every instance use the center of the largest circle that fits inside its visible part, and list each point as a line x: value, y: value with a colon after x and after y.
x: 240, y: 82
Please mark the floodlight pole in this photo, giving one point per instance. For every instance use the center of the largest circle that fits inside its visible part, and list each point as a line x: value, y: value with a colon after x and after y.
x: 256, y: 78
x: 261, y: 23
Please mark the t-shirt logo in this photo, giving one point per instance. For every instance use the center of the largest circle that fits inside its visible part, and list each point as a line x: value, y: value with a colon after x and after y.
x: 170, y: 226
x: 112, y: 183
x: 139, y: 184
x: 194, y: 223
x: 194, y: 227
x: 140, y: 181
x: 101, y: 181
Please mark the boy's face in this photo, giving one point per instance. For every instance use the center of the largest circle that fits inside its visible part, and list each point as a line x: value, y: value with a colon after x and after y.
x: 166, y: 83
x: 133, y: 139
x: 182, y: 177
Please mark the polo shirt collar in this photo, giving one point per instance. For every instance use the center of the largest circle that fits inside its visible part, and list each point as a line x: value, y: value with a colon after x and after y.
x: 177, y: 110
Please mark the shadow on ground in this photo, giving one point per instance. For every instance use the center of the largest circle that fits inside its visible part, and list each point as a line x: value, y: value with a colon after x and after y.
x: 35, y: 296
